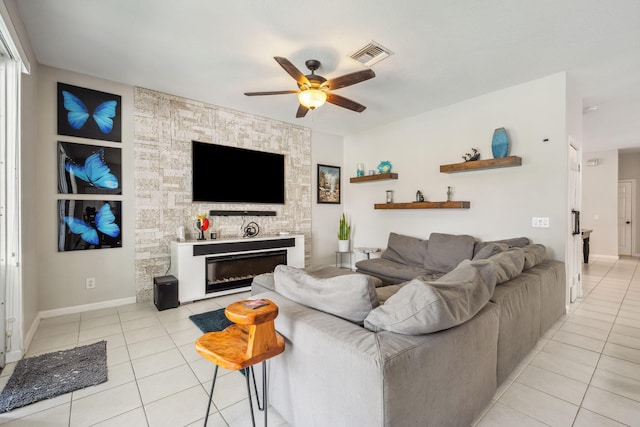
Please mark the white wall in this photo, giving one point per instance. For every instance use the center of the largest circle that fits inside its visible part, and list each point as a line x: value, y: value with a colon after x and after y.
x: 503, y: 201
x: 600, y: 202
x: 61, y: 275
x: 326, y: 149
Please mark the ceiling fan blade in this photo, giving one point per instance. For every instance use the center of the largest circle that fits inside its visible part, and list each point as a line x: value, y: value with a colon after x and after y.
x: 345, y: 102
x: 302, y: 111
x: 349, y: 79
x: 292, y: 70
x: 277, y: 92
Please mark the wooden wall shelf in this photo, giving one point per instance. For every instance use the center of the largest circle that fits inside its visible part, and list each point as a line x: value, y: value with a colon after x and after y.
x: 425, y: 205
x: 502, y: 162
x: 376, y: 177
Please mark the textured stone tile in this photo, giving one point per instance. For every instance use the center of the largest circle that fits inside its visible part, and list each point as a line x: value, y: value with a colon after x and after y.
x: 164, y: 126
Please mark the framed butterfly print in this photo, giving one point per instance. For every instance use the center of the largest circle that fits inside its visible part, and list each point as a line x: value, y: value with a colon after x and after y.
x: 89, y: 113
x: 89, y: 224
x: 89, y: 169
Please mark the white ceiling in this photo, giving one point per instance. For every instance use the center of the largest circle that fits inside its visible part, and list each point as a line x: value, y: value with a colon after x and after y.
x: 443, y: 52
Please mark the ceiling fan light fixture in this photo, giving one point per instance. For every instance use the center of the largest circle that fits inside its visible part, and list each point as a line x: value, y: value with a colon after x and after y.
x: 312, y: 98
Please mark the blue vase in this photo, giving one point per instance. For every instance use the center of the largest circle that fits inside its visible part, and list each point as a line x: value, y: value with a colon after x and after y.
x: 500, y: 143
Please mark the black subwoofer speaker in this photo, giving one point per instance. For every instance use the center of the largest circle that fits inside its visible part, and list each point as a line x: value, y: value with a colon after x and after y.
x: 165, y: 292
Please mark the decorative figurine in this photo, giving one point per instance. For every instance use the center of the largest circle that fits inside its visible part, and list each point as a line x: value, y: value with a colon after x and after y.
x: 419, y: 196
x: 384, y: 167
x: 474, y: 155
x: 201, y: 224
x: 449, y: 194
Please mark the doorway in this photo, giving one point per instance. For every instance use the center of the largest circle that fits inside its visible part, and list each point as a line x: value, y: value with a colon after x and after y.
x: 626, y: 190
x: 573, y: 256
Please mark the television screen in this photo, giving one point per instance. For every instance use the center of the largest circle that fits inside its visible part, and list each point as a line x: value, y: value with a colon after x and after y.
x: 236, y: 175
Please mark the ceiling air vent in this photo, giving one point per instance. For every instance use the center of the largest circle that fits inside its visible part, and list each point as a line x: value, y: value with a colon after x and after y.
x: 371, y: 53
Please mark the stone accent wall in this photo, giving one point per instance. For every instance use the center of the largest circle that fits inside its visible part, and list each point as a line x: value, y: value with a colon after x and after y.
x: 164, y: 126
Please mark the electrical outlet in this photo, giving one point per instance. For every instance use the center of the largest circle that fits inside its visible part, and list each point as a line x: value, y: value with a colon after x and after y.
x: 90, y: 282
x: 540, y: 222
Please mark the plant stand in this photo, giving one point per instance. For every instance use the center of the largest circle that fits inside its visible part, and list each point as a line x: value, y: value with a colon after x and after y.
x: 339, y: 259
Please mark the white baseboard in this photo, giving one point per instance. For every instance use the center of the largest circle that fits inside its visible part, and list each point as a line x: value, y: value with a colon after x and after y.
x: 15, y: 355
x: 608, y: 257
x: 86, y: 307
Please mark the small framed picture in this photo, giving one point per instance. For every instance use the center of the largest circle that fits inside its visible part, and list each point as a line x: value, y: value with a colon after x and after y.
x: 328, y: 184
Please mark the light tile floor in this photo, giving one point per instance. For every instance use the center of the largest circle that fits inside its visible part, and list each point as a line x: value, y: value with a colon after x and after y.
x: 156, y: 378
x: 583, y: 372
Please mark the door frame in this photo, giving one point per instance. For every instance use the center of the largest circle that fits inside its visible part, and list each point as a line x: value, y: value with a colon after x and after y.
x: 633, y: 214
x: 573, y: 251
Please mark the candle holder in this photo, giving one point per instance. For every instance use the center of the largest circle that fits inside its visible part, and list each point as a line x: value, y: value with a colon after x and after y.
x: 389, y: 196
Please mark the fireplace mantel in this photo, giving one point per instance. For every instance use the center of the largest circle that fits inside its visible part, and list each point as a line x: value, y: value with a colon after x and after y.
x: 189, y: 259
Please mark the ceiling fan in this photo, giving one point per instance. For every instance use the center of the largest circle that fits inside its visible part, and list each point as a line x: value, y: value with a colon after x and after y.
x: 314, y: 90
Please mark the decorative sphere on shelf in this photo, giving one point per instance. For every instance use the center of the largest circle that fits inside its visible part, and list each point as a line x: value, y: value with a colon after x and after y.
x: 384, y: 167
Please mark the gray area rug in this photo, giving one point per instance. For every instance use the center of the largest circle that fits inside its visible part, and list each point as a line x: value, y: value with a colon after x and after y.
x: 52, y: 374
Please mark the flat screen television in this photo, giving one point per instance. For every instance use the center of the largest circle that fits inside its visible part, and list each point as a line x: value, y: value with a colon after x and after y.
x: 236, y: 175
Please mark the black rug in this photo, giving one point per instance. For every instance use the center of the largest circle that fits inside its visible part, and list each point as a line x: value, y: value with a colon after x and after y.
x: 49, y: 375
x: 211, y: 321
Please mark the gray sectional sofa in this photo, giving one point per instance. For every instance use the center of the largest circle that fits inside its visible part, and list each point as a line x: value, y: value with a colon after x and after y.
x: 426, y: 350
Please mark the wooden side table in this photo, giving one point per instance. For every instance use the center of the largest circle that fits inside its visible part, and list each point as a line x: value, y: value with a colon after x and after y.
x: 252, y: 339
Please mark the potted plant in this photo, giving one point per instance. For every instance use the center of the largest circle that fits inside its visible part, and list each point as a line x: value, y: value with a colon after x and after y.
x: 343, y: 235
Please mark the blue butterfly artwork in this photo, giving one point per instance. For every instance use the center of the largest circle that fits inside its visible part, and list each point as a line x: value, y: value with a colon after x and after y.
x: 104, y: 223
x: 88, y: 113
x: 94, y: 171
x: 78, y: 114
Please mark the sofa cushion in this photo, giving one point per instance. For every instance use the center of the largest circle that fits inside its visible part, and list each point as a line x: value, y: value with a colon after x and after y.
x: 265, y: 282
x: 349, y: 296
x: 509, y: 264
x: 490, y: 249
x: 446, y: 251
x: 533, y: 255
x: 421, y: 307
x: 516, y: 242
x: 387, y: 268
x: 405, y: 250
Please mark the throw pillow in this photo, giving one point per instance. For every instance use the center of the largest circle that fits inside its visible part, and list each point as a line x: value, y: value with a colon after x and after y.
x: 515, y: 242
x: 405, y: 250
x: 446, y: 251
x: 490, y: 249
x: 508, y: 264
x: 534, y: 255
x: 349, y: 296
x: 421, y: 307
